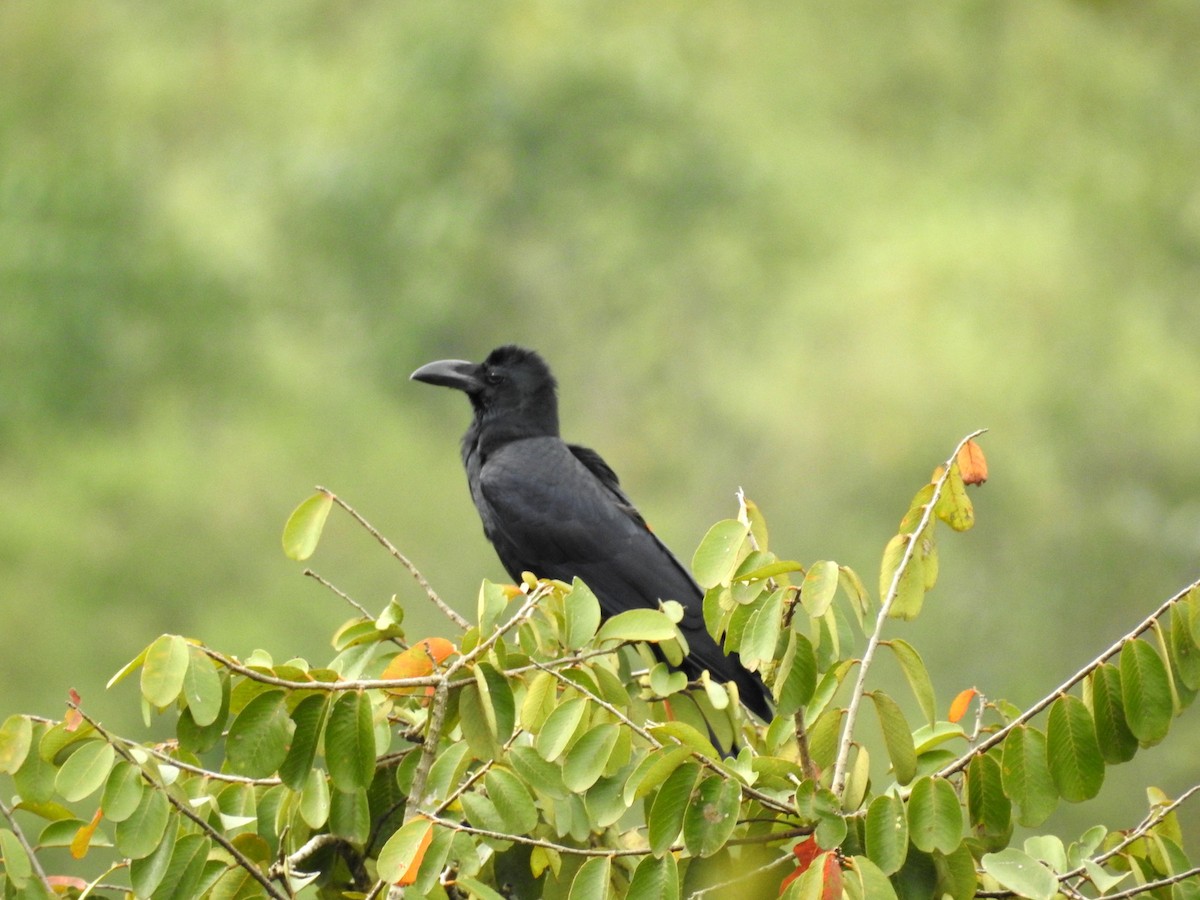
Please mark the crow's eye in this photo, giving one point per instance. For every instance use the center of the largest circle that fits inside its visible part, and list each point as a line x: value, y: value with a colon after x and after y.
x: 493, y: 378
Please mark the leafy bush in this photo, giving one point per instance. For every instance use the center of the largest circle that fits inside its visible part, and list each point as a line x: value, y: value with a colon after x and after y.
x: 544, y: 752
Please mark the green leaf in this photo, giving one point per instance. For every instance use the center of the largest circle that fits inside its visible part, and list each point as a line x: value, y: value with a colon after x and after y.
x: 1072, y: 751
x: 473, y: 719
x: 762, y: 631
x: 258, y: 738
x: 85, y: 770
x: 637, y: 625
x: 653, y: 770
x: 1117, y: 743
x: 989, y: 809
x: 309, y: 717
x: 122, y: 792
x: 350, y: 742
x: 586, y: 760
x: 887, y: 833
x: 592, y: 881
x: 497, y: 702
x: 163, y: 671
x: 559, y: 727
x: 350, y: 815
x: 956, y: 877
x: 1184, y: 651
x: 545, y: 777
x: 314, y: 799
x: 142, y: 832
x: 1145, y: 692
x: 16, y: 736
x: 711, y: 815
x: 581, y: 610
x: 481, y: 812
x: 873, y: 883
x: 1027, y: 778
x: 302, y: 532
x: 954, y: 506
x: 202, y: 687
x: 1021, y: 873
x: 910, y: 588
x: 819, y: 587
x: 146, y: 874
x: 665, y: 819
x: 796, y: 677
x: 655, y: 878
x: 917, y: 676
x: 35, y: 778
x: 397, y: 854
x: 17, y: 865
x: 513, y: 800
x: 685, y: 734
x: 934, y: 816
x: 897, y: 737
x: 185, y: 869
x: 719, y: 553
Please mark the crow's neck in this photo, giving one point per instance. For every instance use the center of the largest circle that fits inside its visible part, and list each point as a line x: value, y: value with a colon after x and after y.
x: 490, y: 431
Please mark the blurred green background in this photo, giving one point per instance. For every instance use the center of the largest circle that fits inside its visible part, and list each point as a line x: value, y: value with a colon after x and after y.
x: 800, y: 248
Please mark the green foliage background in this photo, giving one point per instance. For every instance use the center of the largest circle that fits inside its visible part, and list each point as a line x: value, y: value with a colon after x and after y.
x: 796, y: 248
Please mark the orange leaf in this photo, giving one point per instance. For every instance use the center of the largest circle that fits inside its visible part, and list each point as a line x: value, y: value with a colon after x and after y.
x: 958, y: 708
x: 67, y: 881
x: 972, y: 464
x: 418, y: 661
x: 83, y: 837
x: 409, y: 875
x: 805, y: 852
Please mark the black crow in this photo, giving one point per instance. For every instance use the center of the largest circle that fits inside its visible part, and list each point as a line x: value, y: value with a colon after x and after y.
x: 557, y: 510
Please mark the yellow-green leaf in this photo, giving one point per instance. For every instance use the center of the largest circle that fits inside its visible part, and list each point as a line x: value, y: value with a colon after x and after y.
x: 164, y: 669
x: 637, y: 625
x: 202, y: 687
x: 85, y: 770
x: 302, y: 532
x: 1145, y: 692
x: 887, y: 833
x: 934, y: 816
x: 819, y: 587
x: 16, y: 735
x: 719, y: 553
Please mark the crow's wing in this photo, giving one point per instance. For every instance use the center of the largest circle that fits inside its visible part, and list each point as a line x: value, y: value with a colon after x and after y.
x: 558, y: 511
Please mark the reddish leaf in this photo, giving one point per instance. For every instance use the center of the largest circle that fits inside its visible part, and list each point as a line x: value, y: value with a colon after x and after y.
x: 961, y: 703
x: 832, y: 878
x: 66, y: 881
x: 805, y: 852
x: 972, y: 464
x: 73, y: 719
x: 417, y: 662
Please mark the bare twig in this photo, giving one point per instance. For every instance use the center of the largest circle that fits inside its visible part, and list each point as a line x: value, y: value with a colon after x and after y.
x: 885, y: 607
x: 309, y: 573
x: 437, y: 601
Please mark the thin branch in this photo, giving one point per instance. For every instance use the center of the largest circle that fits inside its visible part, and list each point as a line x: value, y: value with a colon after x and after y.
x: 315, y: 844
x: 806, y: 760
x: 33, y: 860
x: 197, y: 770
x: 742, y: 876
x: 1155, y: 885
x: 1049, y: 699
x: 401, y: 558
x: 309, y: 573
x: 885, y: 607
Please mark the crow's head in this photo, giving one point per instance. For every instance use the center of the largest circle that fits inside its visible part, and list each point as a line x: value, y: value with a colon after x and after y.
x: 513, y: 385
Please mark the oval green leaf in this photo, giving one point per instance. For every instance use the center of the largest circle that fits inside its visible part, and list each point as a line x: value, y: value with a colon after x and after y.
x: 17, y: 866
x: 796, y: 677
x: 1027, y: 778
x: 586, y: 760
x: 653, y: 770
x: 637, y: 625
x: 934, y: 816
x: 512, y: 799
x: 164, y: 669
x: 184, y: 872
x: 85, y: 770
x: 142, y: 832
x: 559, y: 727
x: 655, y: 878
x: 1145, y: 692
x: 258, y: 738
x: 1076, y: 764
x: 897, y: 737
x: 711, y: 815
x: 302, y: 532
x: 819, y: 587
x: 122, y: 792
x: 1117, y: 742
x: 720, y: 551
x: 350, y: 742
x: 202, y: 687
x: 989, y: 809
x: 593, y: 880
x: 581, y: 610
x: 309, y: 717
x: 887, y: 833
x: 916, y: 675
x: 1021, y: 873
x: 665, y: 819
x: 401, y: 848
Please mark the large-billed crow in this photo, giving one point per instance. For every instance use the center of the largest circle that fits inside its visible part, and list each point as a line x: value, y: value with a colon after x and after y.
x: 558, y: 511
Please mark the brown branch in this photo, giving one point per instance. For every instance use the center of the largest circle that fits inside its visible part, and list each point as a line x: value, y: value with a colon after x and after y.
x: 34, y: 862
x: 401, y: 558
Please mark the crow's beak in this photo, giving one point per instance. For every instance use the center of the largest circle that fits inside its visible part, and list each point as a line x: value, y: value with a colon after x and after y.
x: 452, y: 373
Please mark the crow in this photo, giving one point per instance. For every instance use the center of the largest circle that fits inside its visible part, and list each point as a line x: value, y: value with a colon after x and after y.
x: 557, y: 509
